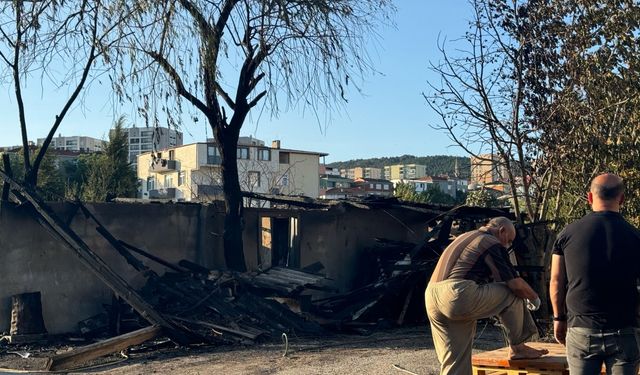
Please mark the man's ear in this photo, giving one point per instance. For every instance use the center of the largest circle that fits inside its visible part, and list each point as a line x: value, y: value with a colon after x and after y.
x: 590, y: 197
x: 621, y: 199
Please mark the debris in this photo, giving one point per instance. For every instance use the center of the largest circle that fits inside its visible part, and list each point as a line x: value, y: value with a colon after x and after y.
x: 52, y: 222
x: 24, y: 355
x: 73, y: 358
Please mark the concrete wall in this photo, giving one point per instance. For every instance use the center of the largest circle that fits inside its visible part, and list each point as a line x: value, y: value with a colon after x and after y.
x: 31, y: 259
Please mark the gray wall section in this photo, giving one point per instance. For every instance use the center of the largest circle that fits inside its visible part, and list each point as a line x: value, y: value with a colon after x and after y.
x: 32, y: 260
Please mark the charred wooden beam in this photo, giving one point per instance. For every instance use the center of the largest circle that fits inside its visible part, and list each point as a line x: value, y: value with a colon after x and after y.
x: 151, y: 256
x: 76, y: 357
x: 6, y: 187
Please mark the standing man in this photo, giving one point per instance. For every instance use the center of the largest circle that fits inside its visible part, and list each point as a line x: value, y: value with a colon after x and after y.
x: 474, y: 279
x: 594, y: 270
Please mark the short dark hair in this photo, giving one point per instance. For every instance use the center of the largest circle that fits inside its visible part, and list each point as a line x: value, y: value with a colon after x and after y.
x: 608, y: 192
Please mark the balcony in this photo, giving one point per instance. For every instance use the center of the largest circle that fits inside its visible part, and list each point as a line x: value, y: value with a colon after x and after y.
x: 165, y: 193
x: 162, y: 165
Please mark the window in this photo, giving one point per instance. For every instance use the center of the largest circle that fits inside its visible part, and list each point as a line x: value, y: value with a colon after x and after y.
x: 134, y: 140
x: 386, y: 186
x: 213, y: 155
x: 146, y: 147
x: 172, y: 154
x: 243, y: 153
x: 264, y: 154
x: 284, y: 158
x: 180, y: 178
x: 371, y: 186
x: 378, y: 186
x: 146, y: 140
x: 254, y: 179
x: 168, y: 181
x: 151, y: 183
x: 146, y: 133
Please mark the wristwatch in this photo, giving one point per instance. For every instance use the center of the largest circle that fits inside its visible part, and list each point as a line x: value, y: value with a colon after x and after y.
x: 560, y: 318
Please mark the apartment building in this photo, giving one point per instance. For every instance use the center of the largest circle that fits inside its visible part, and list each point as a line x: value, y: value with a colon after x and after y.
x: 404, y: 171
x: 329, y: 181
x: 487, y: 169
x: 361, y: 172
x: 448, y: 185
x: 192, y: 172
x: 76, y: 143
x: 143, y: 140
x: 374, y: 186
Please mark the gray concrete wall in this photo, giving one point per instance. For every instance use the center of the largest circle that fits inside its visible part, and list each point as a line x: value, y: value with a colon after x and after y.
x: 32, y: 260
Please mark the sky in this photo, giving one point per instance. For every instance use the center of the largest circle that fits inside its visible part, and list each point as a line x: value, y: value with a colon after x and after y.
x: 388, y: 118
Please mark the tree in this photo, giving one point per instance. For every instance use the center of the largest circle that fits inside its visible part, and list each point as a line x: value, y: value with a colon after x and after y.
x: 224, y: 57
x: 98, y: 177
x: 50, y: 178
x: 485, y: 92
x: 481, y: 198
x: 406, y: 192
x: 58, y: 44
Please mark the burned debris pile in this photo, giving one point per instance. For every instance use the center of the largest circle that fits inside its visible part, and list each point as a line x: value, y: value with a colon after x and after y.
x: 227, y: 307
x: 192, y: 304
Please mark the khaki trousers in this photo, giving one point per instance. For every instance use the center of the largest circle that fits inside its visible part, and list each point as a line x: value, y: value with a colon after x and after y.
x: 454, y: 306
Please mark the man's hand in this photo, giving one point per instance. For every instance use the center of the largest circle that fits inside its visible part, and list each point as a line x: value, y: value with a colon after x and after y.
x: 560, y: 331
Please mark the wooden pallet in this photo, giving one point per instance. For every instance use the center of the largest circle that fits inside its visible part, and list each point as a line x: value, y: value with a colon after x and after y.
x: 496, y: 362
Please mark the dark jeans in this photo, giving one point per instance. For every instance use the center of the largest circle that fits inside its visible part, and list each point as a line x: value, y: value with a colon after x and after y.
x: 588, y: 349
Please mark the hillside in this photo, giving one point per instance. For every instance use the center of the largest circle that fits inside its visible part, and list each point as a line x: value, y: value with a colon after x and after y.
x: 436, y: 164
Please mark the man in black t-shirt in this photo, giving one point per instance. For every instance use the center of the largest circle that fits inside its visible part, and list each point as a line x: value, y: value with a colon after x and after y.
x: 594, y: 272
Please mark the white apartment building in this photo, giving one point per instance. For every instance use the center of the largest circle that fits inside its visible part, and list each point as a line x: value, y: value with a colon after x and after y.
x: 74, y: 143
x: 404, y: 171
x: 447, y: 185
x: 143, y: 140
x: 192, y: 172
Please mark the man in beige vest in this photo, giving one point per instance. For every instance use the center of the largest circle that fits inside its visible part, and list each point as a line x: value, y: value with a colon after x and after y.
x: 474, y: 279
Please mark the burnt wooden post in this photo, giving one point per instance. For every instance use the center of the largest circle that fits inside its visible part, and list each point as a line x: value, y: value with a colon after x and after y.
x: 6, y: 186
x: 27, y: 324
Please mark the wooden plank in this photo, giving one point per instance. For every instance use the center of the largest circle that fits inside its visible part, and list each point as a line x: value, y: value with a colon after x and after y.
x: 555, y: 360
x: 76, y: 357
x: 91, y: 260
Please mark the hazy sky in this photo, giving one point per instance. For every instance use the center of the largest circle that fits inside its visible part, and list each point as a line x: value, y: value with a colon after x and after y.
x: 390, y: 118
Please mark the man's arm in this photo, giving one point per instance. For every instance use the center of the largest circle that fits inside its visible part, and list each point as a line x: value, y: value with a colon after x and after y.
x: 521, y: 288
x: 558, y: 293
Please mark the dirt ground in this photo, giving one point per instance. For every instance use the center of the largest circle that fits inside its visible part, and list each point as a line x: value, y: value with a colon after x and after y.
x: 397, y: 351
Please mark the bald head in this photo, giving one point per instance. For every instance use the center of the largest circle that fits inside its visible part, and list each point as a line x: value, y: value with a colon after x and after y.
x: 503, y: 229
x: 607, y: 192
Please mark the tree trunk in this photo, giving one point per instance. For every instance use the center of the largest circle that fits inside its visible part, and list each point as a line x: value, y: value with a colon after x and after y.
x: 233, y: 220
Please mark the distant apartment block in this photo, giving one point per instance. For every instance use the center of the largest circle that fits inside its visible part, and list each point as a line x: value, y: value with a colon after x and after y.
x: 330, y: 171
x: 445, y: 184
x: 359, y: 188
x: 328, y: 182
x: 193, y: 173
x: 487, y: 169
x: 361, y: 172
x: 74, y: 143
x: 143, y: 140
x: 404, y: 171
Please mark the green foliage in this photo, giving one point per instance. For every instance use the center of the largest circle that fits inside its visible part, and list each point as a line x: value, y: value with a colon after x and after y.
x: 482, y: 198
x: 406, y: 192
x: 50, y: 180
x: 435, y: 165
x: 98, y: 177
x: 433, y: 194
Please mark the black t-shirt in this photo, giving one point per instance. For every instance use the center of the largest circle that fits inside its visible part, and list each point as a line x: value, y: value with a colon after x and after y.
x: 602, y: 259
